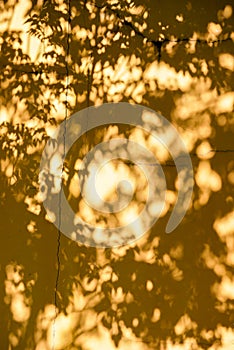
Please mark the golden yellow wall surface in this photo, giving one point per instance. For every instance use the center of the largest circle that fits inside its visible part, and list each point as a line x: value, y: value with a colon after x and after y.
x: 161, y: 291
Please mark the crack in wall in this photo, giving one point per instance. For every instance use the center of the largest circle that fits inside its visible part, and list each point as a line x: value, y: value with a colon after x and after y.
x: 157, y: 43
x: 60, y: 194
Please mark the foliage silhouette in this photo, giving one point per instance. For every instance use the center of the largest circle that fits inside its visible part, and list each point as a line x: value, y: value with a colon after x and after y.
x: 85, y: 49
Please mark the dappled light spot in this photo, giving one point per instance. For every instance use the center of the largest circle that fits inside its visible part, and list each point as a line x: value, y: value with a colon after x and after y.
x: 86, y: 213
x: 19, y: 310
x: 74, y: 187
x: 225, y: 103
x: 227, y: 336
x: 226, y: 60
x: 220, y: 269
x: 78, y: 299
x: 210, y: 259
x: 225, y: 226
x: 195, y: 101
x: 156, y: 315
x: 147, y: 256
x: 14, y: 340
x: 208, y: 178
x: 4, y: 115
x: 214, y: 30
x: 227, y: 12
x: 225, y: 290
x: 149, y: 285
x: 177, y: 252
x: 180, y: 18
x: 42, y: 345
x: 188, y: 344
x: 17, y: 296
x: 129, y: 215
x: 160, y: 151
x: 176, y: 273
x: 50, y: 216
x: 63, y: 327
x: 135, y: 322
x: 184, y: 325
x: 106, y: 273
x: 117, y: 296
x: 205, y: 151
x: 167, y: 77
x: 45, y: 319
x: 170, y: 197
x: 31, y: 227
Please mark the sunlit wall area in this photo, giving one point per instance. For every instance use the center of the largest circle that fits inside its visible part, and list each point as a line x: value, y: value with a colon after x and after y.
x: 162, y: 291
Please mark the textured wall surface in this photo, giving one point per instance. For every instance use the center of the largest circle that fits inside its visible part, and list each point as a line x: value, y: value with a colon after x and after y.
x: 162, y: 291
